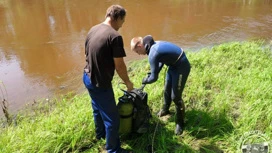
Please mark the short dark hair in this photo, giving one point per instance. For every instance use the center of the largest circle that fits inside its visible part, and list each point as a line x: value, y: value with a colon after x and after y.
x: 115, y: 11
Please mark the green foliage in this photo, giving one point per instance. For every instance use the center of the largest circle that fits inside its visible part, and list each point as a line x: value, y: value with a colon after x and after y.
x: 228, y: 93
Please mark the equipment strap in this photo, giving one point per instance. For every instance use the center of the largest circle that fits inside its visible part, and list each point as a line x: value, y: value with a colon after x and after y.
x: 126, y: 116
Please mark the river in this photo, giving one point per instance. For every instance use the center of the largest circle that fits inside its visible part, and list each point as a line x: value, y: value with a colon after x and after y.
x: 42, y: 41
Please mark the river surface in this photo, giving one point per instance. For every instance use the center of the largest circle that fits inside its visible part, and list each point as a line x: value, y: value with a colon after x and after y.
x: 42, y: 41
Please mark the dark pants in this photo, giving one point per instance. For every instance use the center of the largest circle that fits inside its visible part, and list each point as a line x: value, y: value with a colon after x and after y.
x: 175, y: 82
x: 106, y: 116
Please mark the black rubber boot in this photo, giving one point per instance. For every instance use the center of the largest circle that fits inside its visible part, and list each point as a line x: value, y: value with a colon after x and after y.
x: 125, y: 151
x: 164, y: 111
x: 167, y: 101
x: 179, y: 129
x: 180, y: 115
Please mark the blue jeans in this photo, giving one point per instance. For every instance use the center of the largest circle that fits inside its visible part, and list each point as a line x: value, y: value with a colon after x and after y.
x: 106, y: 116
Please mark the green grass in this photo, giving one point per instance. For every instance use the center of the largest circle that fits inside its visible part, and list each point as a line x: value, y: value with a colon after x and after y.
x: 228, y: 93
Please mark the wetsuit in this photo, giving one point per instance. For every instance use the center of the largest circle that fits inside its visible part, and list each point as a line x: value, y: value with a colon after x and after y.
x: 160, y: 53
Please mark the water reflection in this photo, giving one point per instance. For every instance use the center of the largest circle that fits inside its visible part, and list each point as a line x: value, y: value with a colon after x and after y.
x: 42, y: 42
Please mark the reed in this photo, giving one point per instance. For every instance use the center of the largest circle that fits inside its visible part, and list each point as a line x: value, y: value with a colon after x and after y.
x: 4, y: 102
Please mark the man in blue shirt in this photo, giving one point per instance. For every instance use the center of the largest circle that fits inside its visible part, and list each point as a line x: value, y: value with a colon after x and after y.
x: 160, y: 53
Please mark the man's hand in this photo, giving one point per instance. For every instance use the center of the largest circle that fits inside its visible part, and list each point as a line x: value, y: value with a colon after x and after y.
x: 129, y: 85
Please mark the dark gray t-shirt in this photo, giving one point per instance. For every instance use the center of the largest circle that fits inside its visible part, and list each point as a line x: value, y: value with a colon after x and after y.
x: 103, y: 43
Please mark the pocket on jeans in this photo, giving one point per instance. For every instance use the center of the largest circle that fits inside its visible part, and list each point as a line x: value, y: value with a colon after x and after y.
x: 86, y: 80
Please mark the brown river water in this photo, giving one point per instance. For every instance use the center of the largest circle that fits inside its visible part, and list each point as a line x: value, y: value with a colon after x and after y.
x: 42, y: 41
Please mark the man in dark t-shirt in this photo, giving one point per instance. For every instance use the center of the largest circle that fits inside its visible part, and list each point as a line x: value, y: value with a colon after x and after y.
x: 104, y: 51
x: 103, y: 44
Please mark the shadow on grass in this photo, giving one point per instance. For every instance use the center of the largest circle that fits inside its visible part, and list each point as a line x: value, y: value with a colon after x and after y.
x: 202, y: 124
x: 210, y: 148
x: 158, y: 139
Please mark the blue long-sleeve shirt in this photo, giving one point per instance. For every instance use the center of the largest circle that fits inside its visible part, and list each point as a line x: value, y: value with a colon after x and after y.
x: 160, y: 53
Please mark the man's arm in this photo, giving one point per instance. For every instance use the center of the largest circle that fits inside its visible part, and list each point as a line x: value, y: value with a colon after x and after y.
x: 160, y: 66
x: 155, y: 68
x: 121, y: 70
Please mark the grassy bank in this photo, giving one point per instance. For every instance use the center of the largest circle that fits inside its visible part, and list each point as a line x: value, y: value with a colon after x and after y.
x: 227, y: 95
